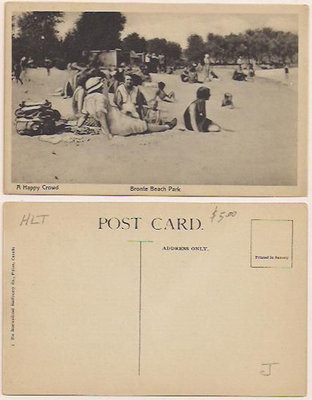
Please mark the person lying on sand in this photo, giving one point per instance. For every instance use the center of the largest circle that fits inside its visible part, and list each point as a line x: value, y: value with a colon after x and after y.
x: 162, y: 95
x: 195, y: 115
x: 213, y: 74
x: 97, y: 111
x: 239, y: 75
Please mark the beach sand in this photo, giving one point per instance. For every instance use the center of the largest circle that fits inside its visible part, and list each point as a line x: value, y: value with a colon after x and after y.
x: 258, y: 145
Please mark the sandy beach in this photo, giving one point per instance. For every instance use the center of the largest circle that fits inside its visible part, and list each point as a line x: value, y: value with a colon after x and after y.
x: 258, y: 145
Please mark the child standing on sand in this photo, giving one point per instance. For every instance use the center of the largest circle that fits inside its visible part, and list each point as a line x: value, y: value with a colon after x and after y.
x: 195, y: 115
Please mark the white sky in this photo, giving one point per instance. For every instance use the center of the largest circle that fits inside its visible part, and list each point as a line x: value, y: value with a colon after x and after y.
x: 177, y: 27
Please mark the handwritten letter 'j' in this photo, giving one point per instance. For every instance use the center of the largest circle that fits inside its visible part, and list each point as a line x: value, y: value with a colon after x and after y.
x: 154, y: 299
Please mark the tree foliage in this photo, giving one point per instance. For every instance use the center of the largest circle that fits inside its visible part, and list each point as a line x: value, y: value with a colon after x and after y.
x: 171, y: 50
x: 263, y: 45
x: 36, y: 35
x: 134, y: 42
x: 157, y: 46
x: 196, y: 48
x: 94, y: 31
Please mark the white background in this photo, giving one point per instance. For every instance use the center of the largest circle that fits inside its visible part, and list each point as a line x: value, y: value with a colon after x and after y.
x: 34, y: 198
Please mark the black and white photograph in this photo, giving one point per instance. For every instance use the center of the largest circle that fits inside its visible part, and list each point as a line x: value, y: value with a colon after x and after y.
x: 144, y: 100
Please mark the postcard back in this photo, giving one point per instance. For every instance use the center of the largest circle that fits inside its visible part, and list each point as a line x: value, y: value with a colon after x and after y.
x: 154, y: 299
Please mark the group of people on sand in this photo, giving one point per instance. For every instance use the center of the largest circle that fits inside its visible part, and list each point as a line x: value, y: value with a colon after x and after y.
x: 155, y: 63
x: 123, y: 118
x: 78, y: 72
x: 20, y: 68
x: 244, y: 71
x: 130, y: 114
x: 190, y: 73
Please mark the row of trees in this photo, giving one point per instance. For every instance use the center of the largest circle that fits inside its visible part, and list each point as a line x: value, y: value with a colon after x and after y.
x: 264, y: 45
x: 35, y: 35
x: 172, y: 50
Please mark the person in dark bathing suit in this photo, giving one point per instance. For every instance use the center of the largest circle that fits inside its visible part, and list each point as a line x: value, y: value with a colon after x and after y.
x: 195, y: 115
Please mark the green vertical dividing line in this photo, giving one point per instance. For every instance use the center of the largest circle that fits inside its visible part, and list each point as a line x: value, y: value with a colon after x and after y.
x: 140, y: 299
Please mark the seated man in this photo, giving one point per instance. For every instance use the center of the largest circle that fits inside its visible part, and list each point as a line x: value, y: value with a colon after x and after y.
x: 129, y: 99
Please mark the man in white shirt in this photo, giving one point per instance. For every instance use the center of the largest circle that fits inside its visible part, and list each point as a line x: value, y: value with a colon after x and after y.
x: 129, y: 99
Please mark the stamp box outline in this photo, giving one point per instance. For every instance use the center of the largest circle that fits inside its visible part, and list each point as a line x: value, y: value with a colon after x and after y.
x: 291, y: 248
